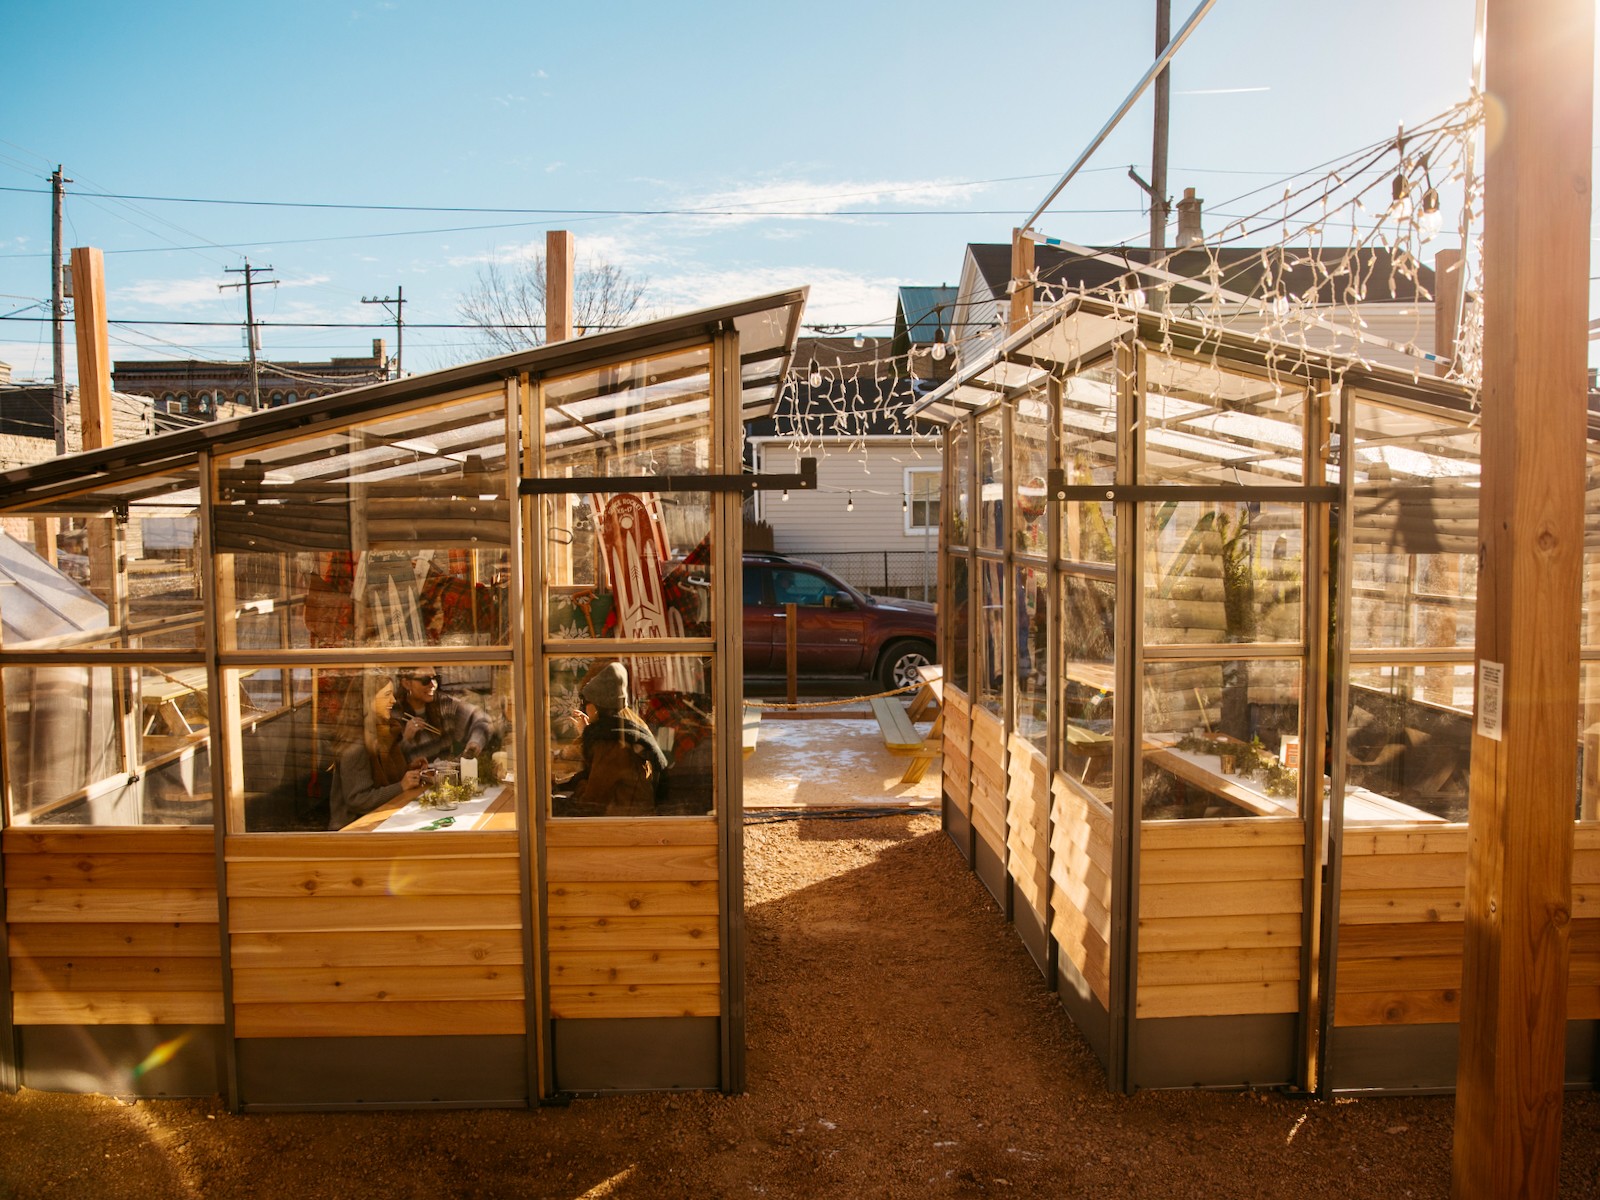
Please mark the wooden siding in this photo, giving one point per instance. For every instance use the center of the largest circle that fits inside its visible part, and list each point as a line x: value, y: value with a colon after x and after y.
x: 871, y: 473
x: 1080, y: 879
x: 405, y: 934
x: 1027, y: 829
x: 113, y: 926
x: 633, y: 928
x: 1401, y: 903
x: 1219, y: 917
x: 989, y: 781
x: 957, y: 761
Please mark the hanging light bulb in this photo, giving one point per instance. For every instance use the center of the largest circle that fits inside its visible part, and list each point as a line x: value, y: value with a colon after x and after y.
x: 785, y: 495
x: 850, y: 504
x: 904, y: 504
x: 938, y: 352
x: 1431, y: 219
x: 814, y: 374
x: 1401, y: 208
x: 859, y: 340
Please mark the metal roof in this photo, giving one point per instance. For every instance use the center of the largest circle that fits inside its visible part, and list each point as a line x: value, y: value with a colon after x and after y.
x: 767, y: 327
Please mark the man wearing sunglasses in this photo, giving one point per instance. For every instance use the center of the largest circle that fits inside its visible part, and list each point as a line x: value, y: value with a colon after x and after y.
x: 438, y: 726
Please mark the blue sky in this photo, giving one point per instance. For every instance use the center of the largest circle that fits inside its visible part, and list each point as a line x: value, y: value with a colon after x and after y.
x: 888, y: 134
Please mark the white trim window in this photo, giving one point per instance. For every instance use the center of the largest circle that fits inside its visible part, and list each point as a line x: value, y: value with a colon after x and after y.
x: 922, y: 500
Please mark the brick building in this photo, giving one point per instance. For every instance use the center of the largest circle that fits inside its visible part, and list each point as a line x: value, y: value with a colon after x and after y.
x: 185, y: 391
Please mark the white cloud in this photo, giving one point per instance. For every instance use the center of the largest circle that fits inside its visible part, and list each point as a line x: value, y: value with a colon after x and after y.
x: 29, y: 361
x: 169, y: 293
x: 799, y: 199
x: 837, y: 296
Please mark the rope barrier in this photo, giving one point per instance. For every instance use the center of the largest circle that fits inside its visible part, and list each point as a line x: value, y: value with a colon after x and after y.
x: 778, y: 704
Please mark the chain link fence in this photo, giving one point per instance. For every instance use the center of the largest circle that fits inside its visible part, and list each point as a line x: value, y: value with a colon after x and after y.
x: 907, y: 574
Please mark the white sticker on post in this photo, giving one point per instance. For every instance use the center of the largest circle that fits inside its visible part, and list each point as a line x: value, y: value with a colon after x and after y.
x: 1491, y: 696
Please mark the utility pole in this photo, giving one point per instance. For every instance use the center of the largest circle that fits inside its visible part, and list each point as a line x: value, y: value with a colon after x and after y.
x: 399, y: 302
x: 248, y: 285
x: 1158, y: 151
x: 58, y: 312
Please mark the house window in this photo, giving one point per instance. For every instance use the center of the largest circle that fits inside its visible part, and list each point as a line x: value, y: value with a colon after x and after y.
x: 922, y: 500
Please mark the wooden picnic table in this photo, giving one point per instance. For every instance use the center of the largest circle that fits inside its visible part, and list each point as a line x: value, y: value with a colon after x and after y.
x: 499, y: 813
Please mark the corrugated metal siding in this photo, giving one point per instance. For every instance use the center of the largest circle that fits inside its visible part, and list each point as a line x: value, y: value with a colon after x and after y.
x: 873, y: 476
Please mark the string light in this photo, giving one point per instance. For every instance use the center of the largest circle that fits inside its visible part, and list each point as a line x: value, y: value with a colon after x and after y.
x: 850, y: 504
x: 785, y: 495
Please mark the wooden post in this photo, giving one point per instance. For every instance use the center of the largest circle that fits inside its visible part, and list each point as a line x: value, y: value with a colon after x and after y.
x: 94, y: 347
x: 1524, y: 750
x: 559, y: 264
x: 1021, y: 280
x: 1447, y: 269
x: 791, y: 650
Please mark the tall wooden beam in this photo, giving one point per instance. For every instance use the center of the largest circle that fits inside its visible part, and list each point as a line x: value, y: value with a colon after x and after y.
x: 1539, y: 56
x: 94, y: 347
x: 1021, y: 311
x: 559, y: 264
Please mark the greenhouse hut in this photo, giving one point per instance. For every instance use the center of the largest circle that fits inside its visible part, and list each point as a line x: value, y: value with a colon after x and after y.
x: 1207, y: 605
x: 217, y: 879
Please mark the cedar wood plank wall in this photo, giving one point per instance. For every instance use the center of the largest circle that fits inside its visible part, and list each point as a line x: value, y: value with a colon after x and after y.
x: 1219, y: 917
x: 957, y: 748
x: 988, y: 795
x: 1080, y: 877
x: 1401, y: 900
x: 1027, y: 811
x: 113, y: 926
x: 382, y: 935
x: 633, y: 918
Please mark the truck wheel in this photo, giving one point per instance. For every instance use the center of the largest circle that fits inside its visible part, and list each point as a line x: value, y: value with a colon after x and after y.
x: 898, y: 667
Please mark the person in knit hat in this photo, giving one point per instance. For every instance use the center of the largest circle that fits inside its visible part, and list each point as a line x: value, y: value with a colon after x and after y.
x: 614, y: 725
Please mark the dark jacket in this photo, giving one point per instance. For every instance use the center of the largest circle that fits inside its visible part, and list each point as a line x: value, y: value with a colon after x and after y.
x: 460, y: 725
x: 365, y: 779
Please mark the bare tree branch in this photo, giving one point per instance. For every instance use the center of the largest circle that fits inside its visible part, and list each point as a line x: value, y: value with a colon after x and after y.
x: 507, y: 303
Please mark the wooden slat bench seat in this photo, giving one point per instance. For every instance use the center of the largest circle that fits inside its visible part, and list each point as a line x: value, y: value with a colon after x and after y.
x: 900, y: 737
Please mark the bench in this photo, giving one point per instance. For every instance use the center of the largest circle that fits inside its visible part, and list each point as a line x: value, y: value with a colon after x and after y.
x: 752, y: 730
x: 900, y: 737
x: 1094, y: 748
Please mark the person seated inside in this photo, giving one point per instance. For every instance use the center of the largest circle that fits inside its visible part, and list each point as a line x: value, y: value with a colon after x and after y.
x: 438, y: 726
x: 372, y: 770
x: 624, y: 771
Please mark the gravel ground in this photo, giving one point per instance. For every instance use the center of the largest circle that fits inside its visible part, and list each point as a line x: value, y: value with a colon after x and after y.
x: 901, y: 1043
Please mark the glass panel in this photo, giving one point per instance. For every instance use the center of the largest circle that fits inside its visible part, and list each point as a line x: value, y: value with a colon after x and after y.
x: 58, y: 576
x: 992, y: 640
x: 1033, y: 655
x: 1030, y: 460
x: 1413, y: 530
x: 619, y: 749
x: 1088, y: 693
x: 959, y: 627
x: 1589, y: 745
x: 991, y: 513
x: 1222, y: 572
x: 1408, y: 743
x: 388, y: 533
x: 1221, y: 739
x: 958, y: 444
x: 629, y: 565
x: 647, y: 417
x: 64, y: 745
x: 1591, y: 553
x: 1089, y: 455
x: 1203, y: 424
x: 337, y: 748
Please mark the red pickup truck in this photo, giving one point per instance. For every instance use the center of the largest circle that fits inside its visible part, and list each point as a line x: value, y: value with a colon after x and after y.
x: 841, y: 631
